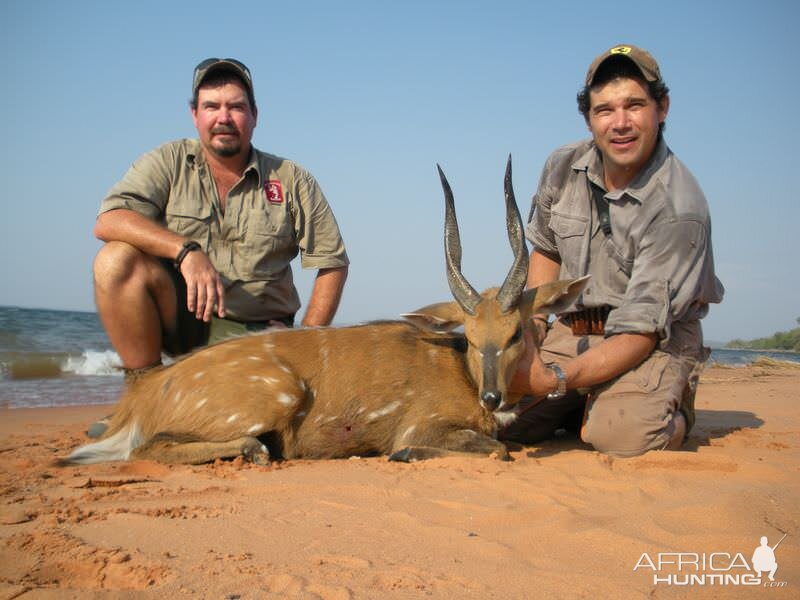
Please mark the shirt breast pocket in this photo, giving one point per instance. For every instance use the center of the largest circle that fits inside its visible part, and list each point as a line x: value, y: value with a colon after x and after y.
x: 189, y: 219
x: 269, y: 245
x: 569, y: 231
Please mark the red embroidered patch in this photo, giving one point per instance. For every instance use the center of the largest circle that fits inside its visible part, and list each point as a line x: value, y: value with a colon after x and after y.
x: 274, y: 191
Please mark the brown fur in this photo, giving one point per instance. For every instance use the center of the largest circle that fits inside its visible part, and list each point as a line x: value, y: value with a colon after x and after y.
x: 381, y: 388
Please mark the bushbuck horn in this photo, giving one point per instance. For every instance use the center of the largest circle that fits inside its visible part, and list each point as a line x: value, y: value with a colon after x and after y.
x: 462, y: 291
x: 515, y: 281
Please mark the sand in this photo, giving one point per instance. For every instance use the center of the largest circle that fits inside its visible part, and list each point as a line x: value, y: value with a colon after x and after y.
x: 558, y: 521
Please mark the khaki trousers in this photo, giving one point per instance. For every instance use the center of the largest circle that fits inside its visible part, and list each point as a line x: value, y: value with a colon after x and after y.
x: 627, y: 415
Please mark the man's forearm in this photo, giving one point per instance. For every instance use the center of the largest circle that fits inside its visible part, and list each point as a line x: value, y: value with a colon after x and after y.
x: 123, y: 225
x: 325, y: 297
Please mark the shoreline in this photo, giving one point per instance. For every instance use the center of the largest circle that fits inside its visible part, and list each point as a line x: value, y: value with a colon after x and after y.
x: 559, y: 520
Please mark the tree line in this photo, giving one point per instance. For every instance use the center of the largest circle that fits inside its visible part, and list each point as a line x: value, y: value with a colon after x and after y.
x: 782, y: 340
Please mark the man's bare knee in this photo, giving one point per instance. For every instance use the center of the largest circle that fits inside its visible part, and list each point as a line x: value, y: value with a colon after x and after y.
x: 116, y: 263
x: 119, y: 263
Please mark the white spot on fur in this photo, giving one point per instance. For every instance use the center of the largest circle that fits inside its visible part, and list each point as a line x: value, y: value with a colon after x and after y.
x: 498, y: 353
x: 233, y: 363
x: 388, y: 409
x: 255, y: 358
x: 302, y: 413
x: 199, y: 374
x: 408, y: 432
x: 284, y: 368
x: 433, y: 415
x: 232, y: 418
x: 255, y: 428
x: 200, y: 403
x: 287, y: 399
x: 361, y: 410
x: 267, y: 380
x: 318, y: 418
x: 268, y: 346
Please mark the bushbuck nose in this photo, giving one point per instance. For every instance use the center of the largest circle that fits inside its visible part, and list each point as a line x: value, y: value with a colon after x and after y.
x: 491, y: 399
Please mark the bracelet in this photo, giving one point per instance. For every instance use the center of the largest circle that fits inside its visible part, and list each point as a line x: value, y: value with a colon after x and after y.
x: 189, y: 246
x: 561, y: 382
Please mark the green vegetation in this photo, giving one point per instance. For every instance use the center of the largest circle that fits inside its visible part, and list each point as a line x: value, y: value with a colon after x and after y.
x: 783, y: 340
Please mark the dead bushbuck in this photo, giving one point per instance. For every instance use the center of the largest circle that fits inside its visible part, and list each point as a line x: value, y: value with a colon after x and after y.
x: 411, y: 389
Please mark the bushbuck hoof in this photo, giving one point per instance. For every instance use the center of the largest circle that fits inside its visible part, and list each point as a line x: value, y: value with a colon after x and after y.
x: 403, y: 455
x: 256, y: 452
x: 466, y: 440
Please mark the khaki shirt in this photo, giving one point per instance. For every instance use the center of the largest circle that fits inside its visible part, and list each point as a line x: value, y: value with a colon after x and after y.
x: 275, y: 211
x: 657, y: 267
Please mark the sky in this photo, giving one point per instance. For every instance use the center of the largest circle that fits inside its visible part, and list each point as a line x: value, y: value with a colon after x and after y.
x: 370, y: 96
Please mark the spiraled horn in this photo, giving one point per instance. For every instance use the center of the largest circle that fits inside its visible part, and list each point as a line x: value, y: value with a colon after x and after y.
x: 514, y: 285
x: 463, y: 292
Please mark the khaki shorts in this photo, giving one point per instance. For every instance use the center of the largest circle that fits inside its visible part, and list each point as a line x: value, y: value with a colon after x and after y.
x: 625, y: 416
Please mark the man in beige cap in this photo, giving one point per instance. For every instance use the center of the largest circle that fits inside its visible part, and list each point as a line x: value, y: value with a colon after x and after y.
x: 622, y: 365
x: 199, y: 234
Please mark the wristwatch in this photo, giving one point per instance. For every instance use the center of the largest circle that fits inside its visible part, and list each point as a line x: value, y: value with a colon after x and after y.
x: 561, y: 385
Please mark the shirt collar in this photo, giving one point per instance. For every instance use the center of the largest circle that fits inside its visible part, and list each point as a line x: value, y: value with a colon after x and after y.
x: 195, y: 158
x: 592, y: 164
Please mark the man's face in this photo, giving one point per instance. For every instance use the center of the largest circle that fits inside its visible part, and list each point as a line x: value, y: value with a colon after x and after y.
x: 224, y: 119
x: 624, y: 121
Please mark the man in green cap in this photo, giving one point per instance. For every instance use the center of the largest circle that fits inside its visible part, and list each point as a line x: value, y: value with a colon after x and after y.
x: 622, y: 365
x: 199, y: 234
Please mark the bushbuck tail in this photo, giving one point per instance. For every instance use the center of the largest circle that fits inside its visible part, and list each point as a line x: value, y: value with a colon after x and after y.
x: 411, y: 389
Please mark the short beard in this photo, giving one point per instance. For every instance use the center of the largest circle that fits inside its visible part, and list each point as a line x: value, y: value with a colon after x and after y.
x: 226, y: 151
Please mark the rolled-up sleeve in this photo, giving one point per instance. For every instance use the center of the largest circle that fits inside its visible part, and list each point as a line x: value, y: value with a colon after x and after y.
x: 538, y: 231
x: 145, y: 188
x: 666, y: 278
x: 318, y: 236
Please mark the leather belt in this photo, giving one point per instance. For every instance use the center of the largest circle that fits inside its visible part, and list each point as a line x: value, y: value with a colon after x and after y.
x: 589, y: 321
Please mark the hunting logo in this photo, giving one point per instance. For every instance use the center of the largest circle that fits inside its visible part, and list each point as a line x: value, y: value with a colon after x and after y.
x: 714, y: 568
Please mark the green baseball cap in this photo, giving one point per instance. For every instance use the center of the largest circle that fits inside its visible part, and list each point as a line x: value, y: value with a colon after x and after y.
x: 638, y: 56
x: 202, y: 70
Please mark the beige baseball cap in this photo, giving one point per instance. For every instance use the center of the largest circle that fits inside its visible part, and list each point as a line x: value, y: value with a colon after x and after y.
x: 205, y: 67
x: 641, y: 58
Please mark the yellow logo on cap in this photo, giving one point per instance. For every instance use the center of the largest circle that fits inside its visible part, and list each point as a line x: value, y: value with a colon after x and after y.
x: 620, y: 50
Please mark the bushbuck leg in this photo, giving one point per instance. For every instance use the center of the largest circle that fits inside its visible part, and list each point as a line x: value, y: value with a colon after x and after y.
x: 168, y: 448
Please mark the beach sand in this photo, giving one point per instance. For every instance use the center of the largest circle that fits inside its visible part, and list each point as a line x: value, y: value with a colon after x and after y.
x: 558, y: 521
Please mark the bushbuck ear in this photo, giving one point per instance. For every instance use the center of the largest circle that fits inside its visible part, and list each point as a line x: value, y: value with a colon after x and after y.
x: 554, y: 297
x: 438, y: 318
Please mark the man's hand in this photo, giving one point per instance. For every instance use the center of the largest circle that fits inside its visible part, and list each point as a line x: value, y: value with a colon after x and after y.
x: 532, y: 377
x: 204, y: 291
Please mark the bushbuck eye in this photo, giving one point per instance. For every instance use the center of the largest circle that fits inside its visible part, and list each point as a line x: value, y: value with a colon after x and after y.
x: 517, y: 336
